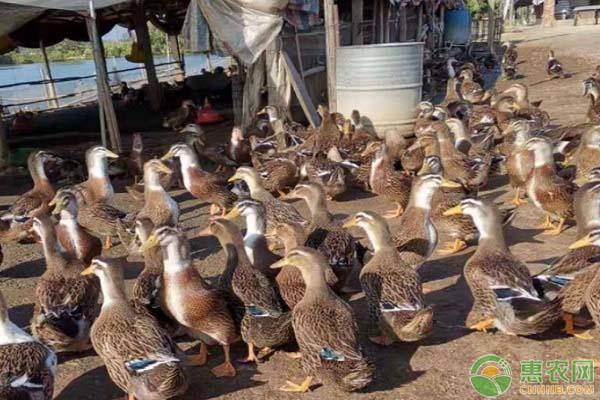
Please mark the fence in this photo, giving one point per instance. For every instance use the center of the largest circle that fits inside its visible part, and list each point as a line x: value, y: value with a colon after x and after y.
x: 78, y: 92
x: 480, y: 30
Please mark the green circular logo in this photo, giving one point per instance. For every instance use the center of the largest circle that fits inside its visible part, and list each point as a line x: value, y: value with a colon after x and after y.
x: 491, y: 375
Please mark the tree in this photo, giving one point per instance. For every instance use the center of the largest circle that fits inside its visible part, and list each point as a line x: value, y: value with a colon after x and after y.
x: 548, y: 16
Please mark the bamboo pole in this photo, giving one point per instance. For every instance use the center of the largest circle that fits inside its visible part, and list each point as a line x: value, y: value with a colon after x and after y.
x: 299, y: 53
x: 174, y: 51
x: 143, y: 37
x: 48, y: 76
x: 330, y: 38
x: 108, y: 118
x: 357, y: 19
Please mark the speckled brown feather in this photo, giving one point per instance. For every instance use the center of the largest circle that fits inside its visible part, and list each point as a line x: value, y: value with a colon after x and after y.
x: 28, y: 359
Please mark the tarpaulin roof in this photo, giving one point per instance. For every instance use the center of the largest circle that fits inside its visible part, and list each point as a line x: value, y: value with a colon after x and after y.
x: 71, y: 5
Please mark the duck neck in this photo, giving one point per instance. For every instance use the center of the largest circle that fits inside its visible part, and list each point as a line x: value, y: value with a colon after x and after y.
x: 153, y: 261
x: 113, y: 291
x: 173, y: 259
x: 188, y: 159
x: 319, y: 212
x: 257, y: 190
x: 255, y: 224
x: 152, y: 181
x: 315, y: 282
x: 490, y: 234
x: 291, y: 242
x: 235, y: 243
x: 38, y: 174
x: 98, y: 175
x: 380, y: 237
x: 51, y: 249
x: 421, y: 198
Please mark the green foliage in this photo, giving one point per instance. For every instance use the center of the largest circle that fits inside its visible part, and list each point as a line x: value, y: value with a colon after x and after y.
x: 68, y: 50
x: 478, y: 8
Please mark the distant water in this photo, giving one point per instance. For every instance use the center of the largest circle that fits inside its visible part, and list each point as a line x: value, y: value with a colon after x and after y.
x: 9, y: 74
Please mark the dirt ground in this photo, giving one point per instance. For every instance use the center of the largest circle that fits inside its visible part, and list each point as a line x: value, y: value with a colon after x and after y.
x: 437, y: 367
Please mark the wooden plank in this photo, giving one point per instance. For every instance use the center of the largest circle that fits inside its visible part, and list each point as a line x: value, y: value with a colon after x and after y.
x: 357, y: 19
x: 143, y: 38
x: 174, y: 50
x: 301, y: 92
x: 403, y: 25
x: 330, y: 48
x: 48, y: 75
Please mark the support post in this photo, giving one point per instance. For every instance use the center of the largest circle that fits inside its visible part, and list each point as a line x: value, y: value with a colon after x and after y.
x: 108, y: 118
x: 48, y: 75
x: 330, y: 38
x: 4, y: 151
x: 403, y: 24
x: 174, y: 50
x: 357, y: 19
x: 491, y: 26
x: 143, y: 37
x: 419, y: 21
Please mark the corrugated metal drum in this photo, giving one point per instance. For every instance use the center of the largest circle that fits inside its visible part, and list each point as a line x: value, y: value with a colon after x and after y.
x: 383, y: 82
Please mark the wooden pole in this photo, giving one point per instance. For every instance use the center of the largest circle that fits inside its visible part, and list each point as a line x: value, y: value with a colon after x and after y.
x: 299, y: 53
x: 4, y: 150
x: 48, y: 75
x: 419, y: 21
x: 143, y: 37
x: 173, y: 46
x: 403, y: 24
x: 357, y: 19
x: 108, y: 118
x: 491, y: 26
x: 330, y: 48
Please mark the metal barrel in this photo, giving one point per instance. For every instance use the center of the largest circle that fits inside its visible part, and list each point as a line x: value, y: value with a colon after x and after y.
x: 383, y: 82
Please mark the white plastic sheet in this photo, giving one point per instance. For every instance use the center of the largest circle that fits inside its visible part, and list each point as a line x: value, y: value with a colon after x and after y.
x: 244, y: 27
x: 73, y: 5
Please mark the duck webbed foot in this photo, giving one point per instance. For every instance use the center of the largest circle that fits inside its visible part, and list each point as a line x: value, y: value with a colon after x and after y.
x: 396, y: 213
x: 517, y: 200
x: 301, y: 388
x: 453, y: 248
x: 547, y: 224
x: 483, y: 325
x: 226, y: 369
x: 557, y: 230
x: 198, y: 359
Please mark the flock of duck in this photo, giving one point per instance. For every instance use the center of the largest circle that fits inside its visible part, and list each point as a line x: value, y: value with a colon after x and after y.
x: 285, y: 279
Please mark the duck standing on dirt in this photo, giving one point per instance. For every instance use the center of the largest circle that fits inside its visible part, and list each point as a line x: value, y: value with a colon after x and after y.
x: 326, y: 330
x: 191, y: 301
x: 497, y: 279
x: 392, y: 287
x: 27, y: 367
x: 201, y: 184
x: 554, y: 68
x: 546, y: 189
x: 141, y: 359
x: 66, y: 303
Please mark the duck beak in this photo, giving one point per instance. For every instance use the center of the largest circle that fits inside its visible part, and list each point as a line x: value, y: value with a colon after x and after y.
x: 111, y: 154
x: 167, y: 156
x: 453, y: 211
x: 350, y: 223
x: 57, y: 207
x: 234, y: 178
x: 88, y: 271
x: 446, y: 183
x: 163, y: 168
x: 232, y: 214
x: 262, y: 111
x: 584, y: 241
x: 281, y: 263
x: 149, y: 244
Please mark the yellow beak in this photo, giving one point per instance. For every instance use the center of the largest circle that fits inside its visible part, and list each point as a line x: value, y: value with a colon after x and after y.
x: 88, y: 271
x: 57, y: 207
x: 584, y: 241
x: 453, y: 211
x: 111, y: 154
x: 234, y: 178
x: 350, y: 223
x: 446, y: 183
x: 167, y: 156
x: 232, y: 214
x: 281, y: 263
x: 163, y: 168
x: 150, y: 243
x: 262, y: 111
